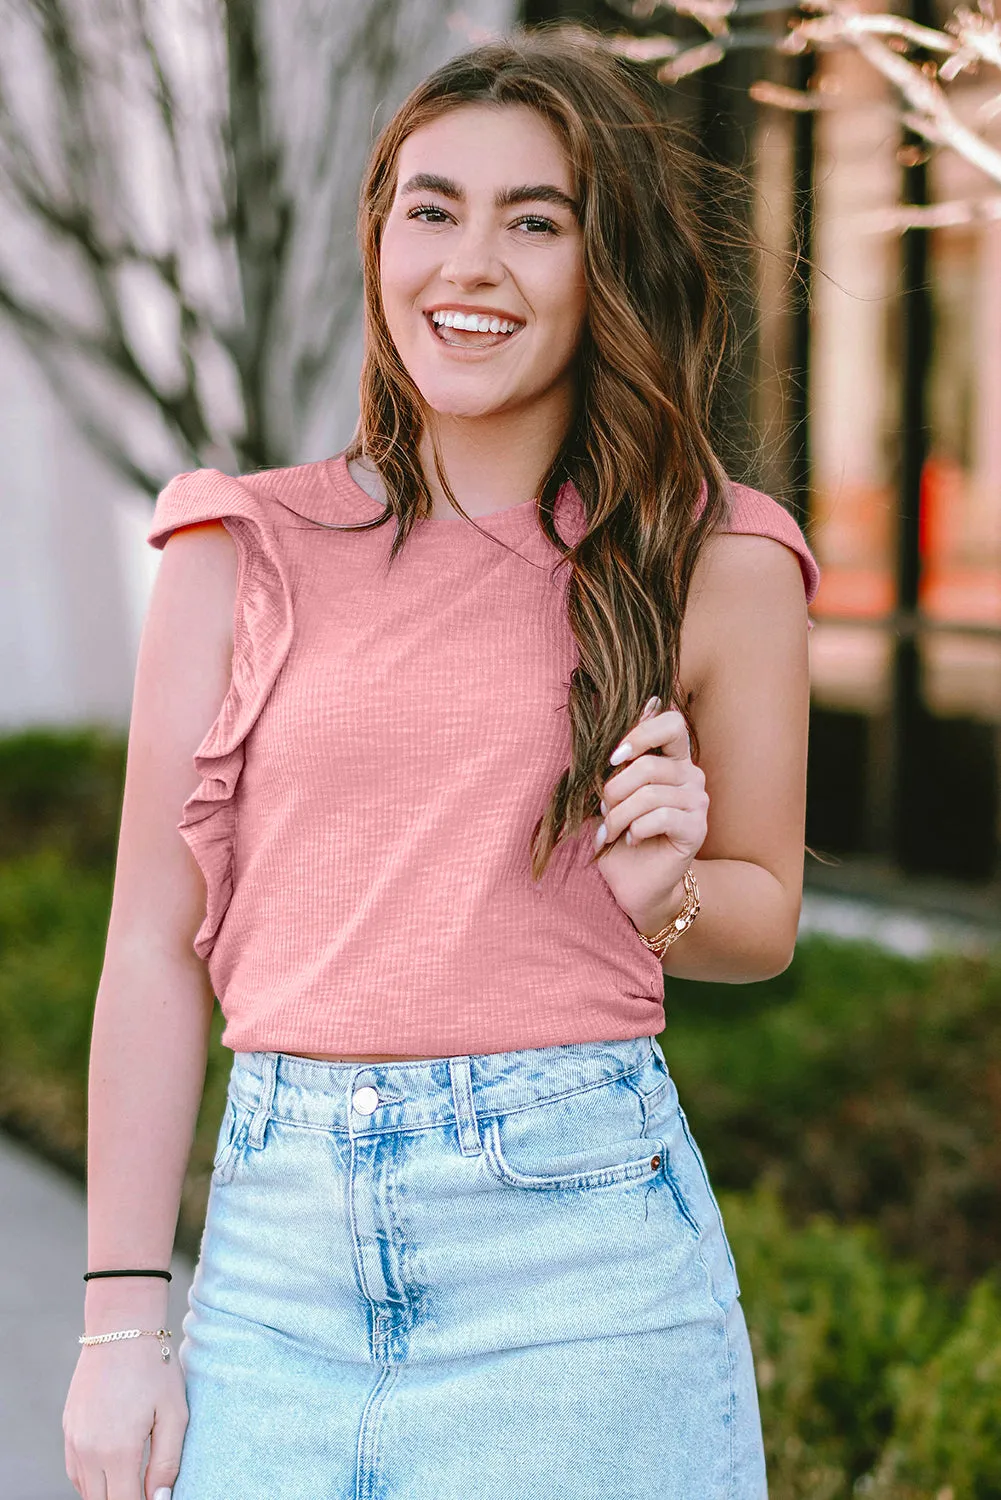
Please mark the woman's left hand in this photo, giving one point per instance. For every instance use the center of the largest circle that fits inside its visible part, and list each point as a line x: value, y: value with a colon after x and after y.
x: 655, y: 818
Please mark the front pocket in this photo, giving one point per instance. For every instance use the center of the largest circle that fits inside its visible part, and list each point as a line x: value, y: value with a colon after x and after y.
x: 592, y: 1138
x: 573, y: 1173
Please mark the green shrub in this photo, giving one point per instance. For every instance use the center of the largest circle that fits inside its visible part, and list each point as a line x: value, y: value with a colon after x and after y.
x: 949, y: 1411
x: 872, y: 1381
x: 864, y: 1084
x: 62, y: 789
x: 53, y: 928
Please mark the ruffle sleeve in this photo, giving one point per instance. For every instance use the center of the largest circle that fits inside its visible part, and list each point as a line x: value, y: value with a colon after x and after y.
x: 262, y: 635
x: 758, y: 514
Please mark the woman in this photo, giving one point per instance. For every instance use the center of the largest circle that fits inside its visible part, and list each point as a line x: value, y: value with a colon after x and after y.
x: 448, y: 837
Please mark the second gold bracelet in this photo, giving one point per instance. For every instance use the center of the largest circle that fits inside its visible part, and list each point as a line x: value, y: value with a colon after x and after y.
x: 662, y: 940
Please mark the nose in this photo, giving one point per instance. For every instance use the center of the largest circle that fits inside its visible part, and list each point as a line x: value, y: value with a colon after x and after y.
x: 473, y: 259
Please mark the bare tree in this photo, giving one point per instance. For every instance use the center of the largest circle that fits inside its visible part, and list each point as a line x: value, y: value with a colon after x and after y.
x: 178, y: 184
x: 922, y: 63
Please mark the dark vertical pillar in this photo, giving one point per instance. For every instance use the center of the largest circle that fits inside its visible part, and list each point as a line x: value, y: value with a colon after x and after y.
x: 800, y: 459
x: 908, y: 722
x: 725, y: 123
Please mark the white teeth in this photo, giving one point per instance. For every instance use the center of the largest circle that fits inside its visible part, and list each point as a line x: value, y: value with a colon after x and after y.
x: 473, y: 322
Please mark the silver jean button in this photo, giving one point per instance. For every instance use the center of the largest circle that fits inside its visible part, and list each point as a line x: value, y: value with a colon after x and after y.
x: 365, y: 1100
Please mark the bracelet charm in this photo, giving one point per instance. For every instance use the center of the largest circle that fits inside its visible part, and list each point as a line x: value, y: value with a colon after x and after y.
x: 661, y: 941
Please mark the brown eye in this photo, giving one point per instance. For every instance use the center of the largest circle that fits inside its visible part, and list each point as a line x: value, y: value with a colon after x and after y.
x: 535, y: 222
x: 427, y: 208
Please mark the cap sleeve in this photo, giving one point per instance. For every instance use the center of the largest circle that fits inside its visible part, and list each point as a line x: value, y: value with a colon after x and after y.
x: 757, y: 514
x: 262, y: 634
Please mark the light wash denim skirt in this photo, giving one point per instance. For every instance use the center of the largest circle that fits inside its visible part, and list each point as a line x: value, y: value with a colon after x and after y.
x: 491, y: 1277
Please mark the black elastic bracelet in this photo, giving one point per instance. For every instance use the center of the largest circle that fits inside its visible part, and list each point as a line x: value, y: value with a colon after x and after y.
x: 87, y: 1275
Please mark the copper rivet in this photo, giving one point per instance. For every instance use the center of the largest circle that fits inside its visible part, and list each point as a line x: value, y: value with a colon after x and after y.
x: 655, y: 1162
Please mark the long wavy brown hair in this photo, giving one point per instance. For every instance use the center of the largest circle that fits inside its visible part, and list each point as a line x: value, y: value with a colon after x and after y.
x: 637, y: 447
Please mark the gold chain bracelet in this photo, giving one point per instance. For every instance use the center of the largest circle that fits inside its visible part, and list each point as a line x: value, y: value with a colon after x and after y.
x: 661, y: 941
x: 163, y: 1334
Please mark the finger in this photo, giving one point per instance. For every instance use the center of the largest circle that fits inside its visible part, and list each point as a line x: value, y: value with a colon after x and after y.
x: 648, y: 798
x: 72, y: 1467
x: 166, y: 1441
x: 685, y: 827
x: 94, y: 1485
x: 122, y: 1476
x: 74, y: 1478
x: 659, y: 770
x: 86, y: 1474
x: 667, y: 732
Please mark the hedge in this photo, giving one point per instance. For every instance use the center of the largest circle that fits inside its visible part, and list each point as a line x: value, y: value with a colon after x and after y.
x: 873, y: 1381
x: 849, y: 1112
x: 863, y: 1083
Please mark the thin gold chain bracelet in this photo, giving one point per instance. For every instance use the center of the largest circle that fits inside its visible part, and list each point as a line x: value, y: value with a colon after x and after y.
x: 163, y: 1334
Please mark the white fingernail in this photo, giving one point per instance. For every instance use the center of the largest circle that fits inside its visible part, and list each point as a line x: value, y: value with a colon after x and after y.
x: 620, y: 754
x: 163, y: 1493
x: 604, y: 809
x: 653, y: 704
x: 600, y: 836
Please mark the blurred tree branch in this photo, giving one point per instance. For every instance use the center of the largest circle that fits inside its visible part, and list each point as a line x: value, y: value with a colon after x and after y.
x: 918, y: 61
x: 178, y: 185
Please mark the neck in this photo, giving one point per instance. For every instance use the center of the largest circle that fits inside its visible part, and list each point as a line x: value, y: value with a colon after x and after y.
x: 494, y: 462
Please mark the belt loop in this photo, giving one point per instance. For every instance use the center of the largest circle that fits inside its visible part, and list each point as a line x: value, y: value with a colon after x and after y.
x: 269, y: 1071
x: 465, y: 1111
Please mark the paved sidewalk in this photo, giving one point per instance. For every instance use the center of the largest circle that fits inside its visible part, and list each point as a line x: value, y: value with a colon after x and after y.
x: 914, y: 915
x: 909, y: 931
x: 43, y: 1255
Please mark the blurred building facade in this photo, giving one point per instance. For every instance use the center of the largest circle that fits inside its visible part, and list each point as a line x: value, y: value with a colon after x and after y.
x: 74, y: 574
x: 905, y: 495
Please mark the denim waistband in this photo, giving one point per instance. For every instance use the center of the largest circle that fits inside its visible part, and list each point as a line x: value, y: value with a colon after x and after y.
x: 430, y: 1091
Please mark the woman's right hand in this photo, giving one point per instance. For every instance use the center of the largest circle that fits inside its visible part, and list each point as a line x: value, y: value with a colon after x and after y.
x: 121, y: 1394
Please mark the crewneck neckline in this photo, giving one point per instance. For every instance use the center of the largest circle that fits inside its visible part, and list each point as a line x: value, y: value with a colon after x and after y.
x: 493, y: 521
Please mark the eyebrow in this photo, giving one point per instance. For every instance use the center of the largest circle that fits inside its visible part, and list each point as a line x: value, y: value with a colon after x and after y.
x: 539, y: 192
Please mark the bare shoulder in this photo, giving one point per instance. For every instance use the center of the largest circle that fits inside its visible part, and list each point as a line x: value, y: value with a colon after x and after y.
x: 746, y: 597
x: 182, y: 677
x: 201, y: 538
x: 196, y: 581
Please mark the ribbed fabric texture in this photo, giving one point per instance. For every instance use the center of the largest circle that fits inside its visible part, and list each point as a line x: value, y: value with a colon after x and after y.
x: 370, y: 784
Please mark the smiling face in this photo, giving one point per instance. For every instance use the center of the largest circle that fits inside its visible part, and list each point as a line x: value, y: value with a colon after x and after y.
x: 481, y: 263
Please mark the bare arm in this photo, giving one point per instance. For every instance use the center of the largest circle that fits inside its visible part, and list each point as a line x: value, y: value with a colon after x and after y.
x: 745, y: 635
x: 153, y: 1009
x: 154, y: 1003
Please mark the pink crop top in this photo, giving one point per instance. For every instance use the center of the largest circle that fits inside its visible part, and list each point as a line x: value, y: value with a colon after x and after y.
x: 371, y: 781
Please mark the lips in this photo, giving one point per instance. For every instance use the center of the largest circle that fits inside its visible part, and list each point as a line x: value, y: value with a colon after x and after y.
x: 459, y: 339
